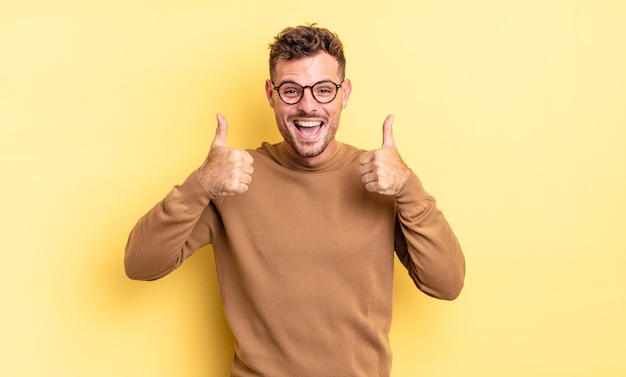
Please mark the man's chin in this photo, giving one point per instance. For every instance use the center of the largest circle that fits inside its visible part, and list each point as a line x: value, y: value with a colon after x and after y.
x: 309, y: 150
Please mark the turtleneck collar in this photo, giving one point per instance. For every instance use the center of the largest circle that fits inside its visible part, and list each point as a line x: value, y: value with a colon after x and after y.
x: 280, y: 154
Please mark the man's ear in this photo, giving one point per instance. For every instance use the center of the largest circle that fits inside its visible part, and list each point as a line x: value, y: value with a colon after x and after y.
x: 269, y: 92
x: 346, y: 89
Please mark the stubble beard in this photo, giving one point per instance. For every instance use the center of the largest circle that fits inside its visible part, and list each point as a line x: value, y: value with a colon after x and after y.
x: 308, y: 149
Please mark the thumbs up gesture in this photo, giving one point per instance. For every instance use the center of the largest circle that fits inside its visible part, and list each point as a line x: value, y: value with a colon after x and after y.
x: 382, y: 170
x: 226, y: 171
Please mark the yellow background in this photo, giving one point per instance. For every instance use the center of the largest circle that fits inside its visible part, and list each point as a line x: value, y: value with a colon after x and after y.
x: 513, y: 114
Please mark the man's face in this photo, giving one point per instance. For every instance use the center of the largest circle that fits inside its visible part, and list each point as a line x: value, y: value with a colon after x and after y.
x: 308, y: 126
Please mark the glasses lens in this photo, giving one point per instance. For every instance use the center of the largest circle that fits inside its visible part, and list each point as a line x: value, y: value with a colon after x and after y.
x: 324, y: 91
x: 290, y: 92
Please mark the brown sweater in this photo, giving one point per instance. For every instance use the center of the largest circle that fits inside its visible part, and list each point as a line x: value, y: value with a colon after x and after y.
x: 304, y: 261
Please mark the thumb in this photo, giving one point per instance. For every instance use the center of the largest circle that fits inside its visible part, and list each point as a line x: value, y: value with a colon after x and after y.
x: 388, y: 141
x: 220, y: 132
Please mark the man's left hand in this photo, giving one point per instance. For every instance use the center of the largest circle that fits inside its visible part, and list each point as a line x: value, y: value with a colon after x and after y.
x: 382, y: 170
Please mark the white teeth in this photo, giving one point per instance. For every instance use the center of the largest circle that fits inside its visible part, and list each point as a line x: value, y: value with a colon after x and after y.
x: 308, y: 123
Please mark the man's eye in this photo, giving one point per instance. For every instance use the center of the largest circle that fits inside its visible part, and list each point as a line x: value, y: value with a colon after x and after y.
x: 291, y: 91
x: 324, y: 90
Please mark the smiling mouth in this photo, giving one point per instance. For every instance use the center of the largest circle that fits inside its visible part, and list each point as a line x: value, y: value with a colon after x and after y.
x: 308, y: 128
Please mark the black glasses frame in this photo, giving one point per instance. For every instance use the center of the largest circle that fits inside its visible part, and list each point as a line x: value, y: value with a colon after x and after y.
x: 277, y: 89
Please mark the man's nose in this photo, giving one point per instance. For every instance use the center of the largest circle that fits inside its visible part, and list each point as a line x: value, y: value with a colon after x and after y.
x: 308, y: 102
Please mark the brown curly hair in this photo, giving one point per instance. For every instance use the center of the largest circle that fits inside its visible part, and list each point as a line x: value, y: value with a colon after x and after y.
x: 306, y: 40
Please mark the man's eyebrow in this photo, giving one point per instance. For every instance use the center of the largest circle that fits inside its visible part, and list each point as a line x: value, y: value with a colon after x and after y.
x: 287, y: 82
x: 294, y: 82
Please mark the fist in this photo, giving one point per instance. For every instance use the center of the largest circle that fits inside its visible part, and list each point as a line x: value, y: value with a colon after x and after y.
x: 382, y: 170
x: 226, y: 171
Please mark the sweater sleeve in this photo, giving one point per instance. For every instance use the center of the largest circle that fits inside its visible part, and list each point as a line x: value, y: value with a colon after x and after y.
x: 426, y: 245
x: 167, y: 235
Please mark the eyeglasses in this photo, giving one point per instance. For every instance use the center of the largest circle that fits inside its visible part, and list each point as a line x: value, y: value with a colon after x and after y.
x: 323, y: 91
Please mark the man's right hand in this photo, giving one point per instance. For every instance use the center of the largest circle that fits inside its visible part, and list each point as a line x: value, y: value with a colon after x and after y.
x: 226, y: 171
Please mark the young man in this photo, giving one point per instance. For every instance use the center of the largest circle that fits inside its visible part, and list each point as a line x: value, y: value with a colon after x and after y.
x: 304, y: 231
